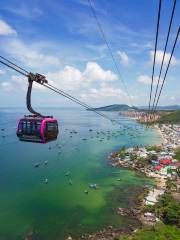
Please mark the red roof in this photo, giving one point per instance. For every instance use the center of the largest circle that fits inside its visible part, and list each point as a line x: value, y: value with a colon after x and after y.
x: 165, y: 161
x: 158, y: 167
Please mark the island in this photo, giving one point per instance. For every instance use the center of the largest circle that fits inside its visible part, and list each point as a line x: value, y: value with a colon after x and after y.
x: 114, y: 108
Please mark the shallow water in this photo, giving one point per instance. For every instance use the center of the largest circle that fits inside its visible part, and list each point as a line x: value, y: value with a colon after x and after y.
x: 54, y: 210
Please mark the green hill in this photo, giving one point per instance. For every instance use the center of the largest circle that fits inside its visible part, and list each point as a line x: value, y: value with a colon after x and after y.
x: 173, y: 117
x: 114, y: 107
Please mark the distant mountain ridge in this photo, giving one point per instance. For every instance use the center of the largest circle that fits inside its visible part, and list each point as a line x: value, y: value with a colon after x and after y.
x: 125, y: 107
x: 114, y: 108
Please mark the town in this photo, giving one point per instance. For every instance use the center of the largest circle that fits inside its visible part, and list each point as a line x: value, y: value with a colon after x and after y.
x: 159, y: 162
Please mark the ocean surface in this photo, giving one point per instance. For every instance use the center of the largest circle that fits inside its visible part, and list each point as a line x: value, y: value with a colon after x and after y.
x: 29, y: 206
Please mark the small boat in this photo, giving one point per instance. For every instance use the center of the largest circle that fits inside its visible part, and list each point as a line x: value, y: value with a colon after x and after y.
x: 46, y: 181
x: 45, y: 162
x: 36, y: 165
x: 94, y: 186
x: 67, y: 173
x: 70, y: 181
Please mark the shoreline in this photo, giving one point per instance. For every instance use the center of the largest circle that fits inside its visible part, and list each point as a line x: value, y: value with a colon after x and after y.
x: 160, y: 187
x: 149, y: 196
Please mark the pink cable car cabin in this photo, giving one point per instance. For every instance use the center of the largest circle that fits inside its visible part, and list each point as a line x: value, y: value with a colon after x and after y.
x: 37, y: 129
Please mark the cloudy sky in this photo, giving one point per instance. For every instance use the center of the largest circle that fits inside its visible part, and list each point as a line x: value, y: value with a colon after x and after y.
x: 61, y: 40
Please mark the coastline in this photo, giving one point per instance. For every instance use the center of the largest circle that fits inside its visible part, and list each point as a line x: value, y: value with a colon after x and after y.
x: 151, y: 197
x: 164, y: 141
x: 144, y: 218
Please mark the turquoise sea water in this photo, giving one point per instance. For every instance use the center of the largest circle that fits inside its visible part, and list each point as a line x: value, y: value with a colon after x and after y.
x: 61, y: 207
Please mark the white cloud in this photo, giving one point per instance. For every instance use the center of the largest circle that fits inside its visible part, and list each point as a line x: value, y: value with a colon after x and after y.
x: 172, y: 98
x: 18, y: 83
x: 71, y: 78
x: 146, y: 80
x: 25, y: 11
x: 29, y: 55
x: 2, y: 72
x: 6, y: 29
x: 142, y: 46
x: 159, y: 56
x: 7, y: 86
x: 93, y: 72
x: 106, y: 92
x: 21, y: 83
x: 68, y: 79
x: 123, y: 57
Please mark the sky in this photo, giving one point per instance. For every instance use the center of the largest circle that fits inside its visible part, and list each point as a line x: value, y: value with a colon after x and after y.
x: 61, y: 40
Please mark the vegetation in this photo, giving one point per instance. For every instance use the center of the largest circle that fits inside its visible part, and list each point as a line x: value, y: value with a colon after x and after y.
x: 142, y: 161
x: 172, y: 118
x: 171, y: 185
x: 114, y: 107
x: 151, y: 157
x: 177, y: 153
x: 154, y: 148
x: 168, y: 209
x: 158, y: 232
x: 122, y: 153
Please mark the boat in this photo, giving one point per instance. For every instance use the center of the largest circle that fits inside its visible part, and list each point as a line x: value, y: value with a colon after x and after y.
x: 46, y: 181
x: 70, y: 181
x: 94, y: 186
x: 67, y: 173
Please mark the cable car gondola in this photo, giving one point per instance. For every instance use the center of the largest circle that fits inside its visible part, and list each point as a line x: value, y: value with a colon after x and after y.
x: 36, y: 128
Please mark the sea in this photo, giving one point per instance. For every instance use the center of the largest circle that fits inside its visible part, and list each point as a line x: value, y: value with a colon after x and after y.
x: 44, y: 188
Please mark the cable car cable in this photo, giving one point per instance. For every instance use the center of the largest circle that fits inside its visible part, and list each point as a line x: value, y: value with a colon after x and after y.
x: 44, y: 83
x: 109, y: 48
x: 167, y: 38
x: 13, y: 64
x: 177, y: 35
x: 75, y: 100
x: 154, y: 59
x: 84, y: 104
x: 17, y: 70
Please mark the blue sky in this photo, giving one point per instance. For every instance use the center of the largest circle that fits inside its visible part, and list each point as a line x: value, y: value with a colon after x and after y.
x: 61, y: 40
